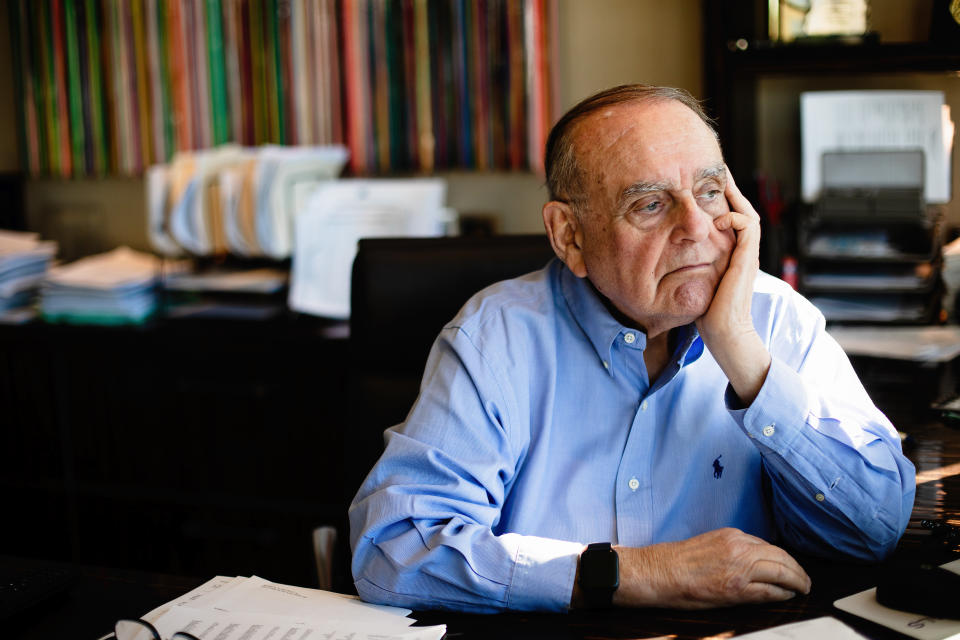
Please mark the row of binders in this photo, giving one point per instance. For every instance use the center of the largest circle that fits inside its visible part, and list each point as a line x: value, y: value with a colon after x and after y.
x: 109, y: 86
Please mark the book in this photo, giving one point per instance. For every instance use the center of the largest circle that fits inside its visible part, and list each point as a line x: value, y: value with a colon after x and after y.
x: 114, y: 86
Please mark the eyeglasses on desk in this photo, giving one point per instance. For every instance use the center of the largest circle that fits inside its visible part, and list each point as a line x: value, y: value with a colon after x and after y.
x: 129, y: 629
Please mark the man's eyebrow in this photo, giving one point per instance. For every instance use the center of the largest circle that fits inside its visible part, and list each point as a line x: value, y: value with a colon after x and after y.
x: 717, y: 171
x: 638, y: 189
x: 642, y: 188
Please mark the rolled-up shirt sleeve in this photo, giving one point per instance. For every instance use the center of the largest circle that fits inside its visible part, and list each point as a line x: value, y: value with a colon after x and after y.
x: 840, y: 484
x: 423, y: 524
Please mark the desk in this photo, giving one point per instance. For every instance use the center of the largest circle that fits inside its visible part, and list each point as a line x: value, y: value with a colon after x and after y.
x: 102, y: 595
x: 95, y: 600
x: 831, y: 581
x: 158, y: 447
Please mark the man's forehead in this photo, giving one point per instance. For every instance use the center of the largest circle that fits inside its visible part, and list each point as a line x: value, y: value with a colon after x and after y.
x: 652, y: 122
x: 647, y: 129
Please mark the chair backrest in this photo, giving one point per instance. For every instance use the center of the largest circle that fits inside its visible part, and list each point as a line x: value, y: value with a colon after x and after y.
x: 404, y: 290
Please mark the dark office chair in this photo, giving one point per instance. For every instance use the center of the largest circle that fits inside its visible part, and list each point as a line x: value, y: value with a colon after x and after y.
x: 404, y: 291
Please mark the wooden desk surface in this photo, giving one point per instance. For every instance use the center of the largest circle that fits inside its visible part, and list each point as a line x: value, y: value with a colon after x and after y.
x: 102, y: 595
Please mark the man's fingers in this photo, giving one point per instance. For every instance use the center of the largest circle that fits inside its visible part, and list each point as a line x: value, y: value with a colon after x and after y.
x: 737, y: 200
x: 737, y: 220
x: 763, y: 592
x: 782, y: 572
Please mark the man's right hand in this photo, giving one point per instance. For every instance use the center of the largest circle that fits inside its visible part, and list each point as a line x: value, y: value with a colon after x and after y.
x: 714, y: 569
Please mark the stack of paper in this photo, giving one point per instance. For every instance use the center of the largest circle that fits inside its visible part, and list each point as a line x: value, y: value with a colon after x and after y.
x: 256, y: 609
x: 24, y: 261
x: 233, y: 199
x: 117, y: 287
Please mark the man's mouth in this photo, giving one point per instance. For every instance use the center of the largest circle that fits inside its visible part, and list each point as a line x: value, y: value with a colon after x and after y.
x: 690, y: 267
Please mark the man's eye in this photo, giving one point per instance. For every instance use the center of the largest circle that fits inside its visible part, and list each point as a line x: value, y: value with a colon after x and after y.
x: 650, y: 207
x: 711, y: 194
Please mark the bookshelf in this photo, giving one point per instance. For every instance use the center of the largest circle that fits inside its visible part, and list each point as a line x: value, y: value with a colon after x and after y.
x: 106, y: 88
x: 753, y: 86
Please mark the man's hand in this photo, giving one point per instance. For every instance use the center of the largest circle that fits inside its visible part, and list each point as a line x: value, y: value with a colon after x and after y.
x: 727, y: 326
x: 718, y: 568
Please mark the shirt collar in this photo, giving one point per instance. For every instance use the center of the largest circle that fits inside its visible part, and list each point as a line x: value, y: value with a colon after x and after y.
x: 602, y: 329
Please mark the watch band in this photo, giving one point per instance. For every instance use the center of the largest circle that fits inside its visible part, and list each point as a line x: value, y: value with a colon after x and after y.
x: 599, y: 575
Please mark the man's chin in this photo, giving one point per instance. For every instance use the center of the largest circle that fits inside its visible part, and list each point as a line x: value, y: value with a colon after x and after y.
x: 693, y: 298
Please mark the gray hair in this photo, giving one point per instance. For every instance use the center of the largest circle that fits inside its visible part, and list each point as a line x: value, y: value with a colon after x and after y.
x: 564, y: 177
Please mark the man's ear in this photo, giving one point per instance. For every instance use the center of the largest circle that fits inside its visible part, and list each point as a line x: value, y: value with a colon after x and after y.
x: 566, y: 235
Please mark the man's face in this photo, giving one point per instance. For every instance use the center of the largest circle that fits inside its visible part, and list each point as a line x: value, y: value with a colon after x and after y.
x: 654, y: 184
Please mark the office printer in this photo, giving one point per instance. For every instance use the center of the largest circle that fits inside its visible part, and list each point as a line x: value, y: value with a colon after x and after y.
x: 870, y: 246
x: 878, y: 186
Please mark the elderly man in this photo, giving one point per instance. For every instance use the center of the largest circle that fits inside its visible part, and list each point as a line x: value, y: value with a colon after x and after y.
x: 638, y: 422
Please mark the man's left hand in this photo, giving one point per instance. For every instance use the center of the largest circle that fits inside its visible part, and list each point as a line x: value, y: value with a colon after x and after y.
x: 727, y: 326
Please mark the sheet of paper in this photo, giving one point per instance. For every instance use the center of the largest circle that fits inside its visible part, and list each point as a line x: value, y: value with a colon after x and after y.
x: 252, y: 608
x: 121, y: 267
x: 875, y: 308
x: 223, y: 625
x: 865, y: 605
x: 337, y: 216
x: 825, y: 628
x: 256, y: 595
x: 920, y: 344
x: 156, y: 180
x: 16, y: 241
x: 875, y: 121
x: 285, y: 176
x: 208, y: 589
x: 265, y: 280
x: 874, y: 282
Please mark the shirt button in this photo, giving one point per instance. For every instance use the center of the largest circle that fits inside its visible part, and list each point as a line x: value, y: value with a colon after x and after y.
x: 629, y: 338
x: 643, y: 406
x: 819, y: 497
x: 606, y: 365
x: 768, y: 430
x: 634, y: 484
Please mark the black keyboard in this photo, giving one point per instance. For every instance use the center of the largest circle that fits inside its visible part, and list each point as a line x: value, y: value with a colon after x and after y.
x: 25, y: 587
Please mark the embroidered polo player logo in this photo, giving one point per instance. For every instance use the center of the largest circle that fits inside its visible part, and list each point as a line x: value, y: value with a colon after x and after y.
x: 717, y: 467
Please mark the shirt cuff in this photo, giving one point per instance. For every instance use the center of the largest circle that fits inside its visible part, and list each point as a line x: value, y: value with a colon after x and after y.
x: 543, y: 575
x: 778, y: 410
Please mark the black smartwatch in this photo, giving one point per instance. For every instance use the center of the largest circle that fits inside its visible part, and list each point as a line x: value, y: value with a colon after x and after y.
x: 599, y: 574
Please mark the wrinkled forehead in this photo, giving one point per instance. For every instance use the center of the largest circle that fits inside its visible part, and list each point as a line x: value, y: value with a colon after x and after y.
x: 637, y: 133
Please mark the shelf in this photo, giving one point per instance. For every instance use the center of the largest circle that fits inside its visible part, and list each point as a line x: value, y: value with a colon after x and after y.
x: 923, y: 288
x: 839, y: 58
x: 873, y: 308
x: 848, y: 258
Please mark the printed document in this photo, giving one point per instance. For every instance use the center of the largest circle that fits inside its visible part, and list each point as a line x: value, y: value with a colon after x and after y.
x: 239, y: 608
x: 876, y: 121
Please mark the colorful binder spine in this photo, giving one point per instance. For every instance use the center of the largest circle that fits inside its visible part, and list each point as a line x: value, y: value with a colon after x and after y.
x: 113, y: 86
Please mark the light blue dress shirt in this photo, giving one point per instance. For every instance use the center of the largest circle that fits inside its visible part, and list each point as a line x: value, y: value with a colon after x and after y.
x: 537, y: 431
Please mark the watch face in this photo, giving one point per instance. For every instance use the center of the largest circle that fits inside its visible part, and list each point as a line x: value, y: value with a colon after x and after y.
x: 599, y: 569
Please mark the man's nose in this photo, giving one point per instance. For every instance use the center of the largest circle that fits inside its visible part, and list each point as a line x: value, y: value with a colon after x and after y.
x: 691, y: 222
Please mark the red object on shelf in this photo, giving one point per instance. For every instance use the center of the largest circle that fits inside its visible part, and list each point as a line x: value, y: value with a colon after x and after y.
x: 788, y: 271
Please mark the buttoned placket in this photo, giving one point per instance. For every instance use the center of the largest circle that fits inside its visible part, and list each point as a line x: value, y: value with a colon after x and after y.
x: 633, y: 492
x: 634, y: 489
